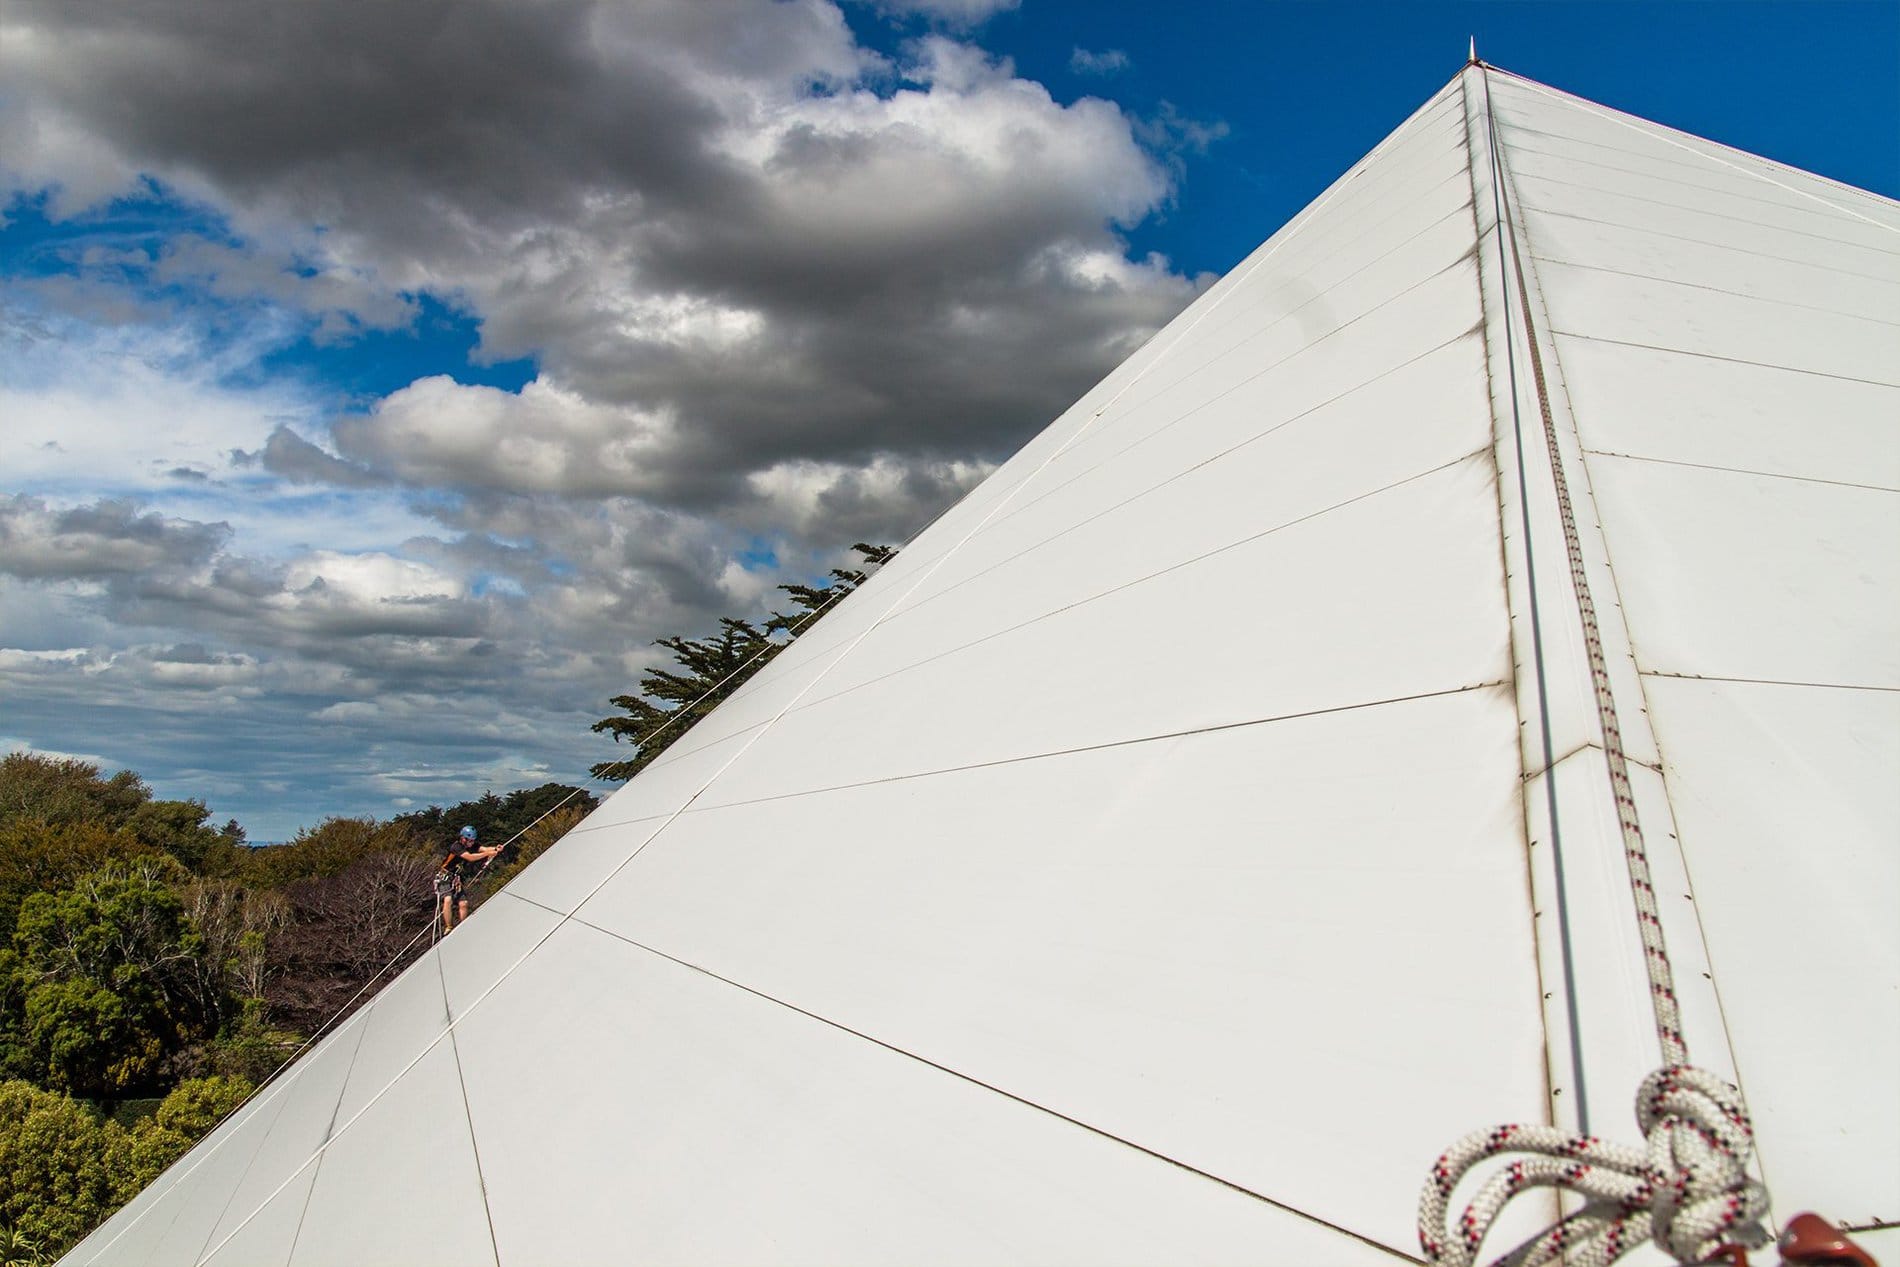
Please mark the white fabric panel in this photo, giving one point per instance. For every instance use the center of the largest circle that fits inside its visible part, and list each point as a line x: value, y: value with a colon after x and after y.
x: 1333, y: 372
x: 235, y: 1169
x: 193, y: 1191
x: 401, y: 1184
x: 576, y: 864
x: 268, y: 1237
x: 1639, y: 166
x: 1665, y: 212
x: 718, y: 1127
x: 1197, y: 944
x: 1750, y: 522
x: 1581, y: 241
x: 1345, y: 608
x: 472, y: 964
x: 1616, y: 130
x: 1599, y: 304
x: 1637, y: 171
x: 1724, y: 574
x: 1612, y: 1001
x: 407, y: 1018
x: 666, y: 785
x: 1786, y: 800
x: 1883, y: 1243
x: 1299, y: 470
x: 308, y: 1116
x: 1672, y: 407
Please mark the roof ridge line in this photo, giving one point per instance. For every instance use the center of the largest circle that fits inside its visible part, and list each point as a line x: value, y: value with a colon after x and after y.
x: 1637, y: 123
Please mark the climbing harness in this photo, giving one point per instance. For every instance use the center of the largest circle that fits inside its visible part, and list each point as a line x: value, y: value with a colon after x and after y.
x: 1688, y: 1188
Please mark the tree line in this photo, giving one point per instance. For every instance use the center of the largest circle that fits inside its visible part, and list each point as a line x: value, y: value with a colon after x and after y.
x: 155, y: 969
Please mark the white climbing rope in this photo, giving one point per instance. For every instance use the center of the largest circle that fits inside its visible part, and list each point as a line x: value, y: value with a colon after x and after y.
x: 1688, y: 1188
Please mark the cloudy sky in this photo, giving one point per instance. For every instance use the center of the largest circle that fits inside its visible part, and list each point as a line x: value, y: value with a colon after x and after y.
x: 378, y: 378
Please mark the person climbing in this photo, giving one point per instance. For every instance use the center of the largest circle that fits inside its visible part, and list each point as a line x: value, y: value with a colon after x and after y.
x: 451, y: 883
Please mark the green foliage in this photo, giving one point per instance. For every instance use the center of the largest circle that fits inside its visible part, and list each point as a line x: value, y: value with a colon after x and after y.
x: 17, y: 1249
x: 178, y: 828
x: 814, y: 599
x: 60, y: 820
x: 324, y: 850
x: 52, y: 790
x: 184, y: 1117
x: 63, y: 1168
x: 104, y: 981
x: 248, y: 1049
x: 670, y: 704
x: 533, y: 843
x: 495, y: 819
x: 37, y: 858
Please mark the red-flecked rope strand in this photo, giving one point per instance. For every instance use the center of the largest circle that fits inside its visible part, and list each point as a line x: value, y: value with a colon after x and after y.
x: 1688, y: 1189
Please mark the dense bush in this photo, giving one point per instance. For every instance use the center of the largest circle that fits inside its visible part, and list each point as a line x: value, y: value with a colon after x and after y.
x: 105, y: 982
x: 63, y: 1168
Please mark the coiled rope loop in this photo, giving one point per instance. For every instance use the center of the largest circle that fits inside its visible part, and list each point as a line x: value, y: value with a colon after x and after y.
x: 1688, y: 1189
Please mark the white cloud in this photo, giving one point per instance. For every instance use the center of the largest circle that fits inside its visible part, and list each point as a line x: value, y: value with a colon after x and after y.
x: 1107, y: 62
x: 782, y: 294
x: 369, y: 579
x: 956, y: 13
x: 542, y: 439
x: 92, y: 407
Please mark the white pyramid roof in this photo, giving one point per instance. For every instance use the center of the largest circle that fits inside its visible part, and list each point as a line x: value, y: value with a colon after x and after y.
x: 1153, y: 863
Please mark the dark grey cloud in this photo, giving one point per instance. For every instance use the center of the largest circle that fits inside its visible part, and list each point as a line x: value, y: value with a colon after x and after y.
x: 294, y: 458
x: 655, y: 202
x: 784, y: 294
x: 110, y: 539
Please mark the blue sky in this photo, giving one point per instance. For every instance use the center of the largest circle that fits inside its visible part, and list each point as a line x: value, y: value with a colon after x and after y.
x: 373, y: 399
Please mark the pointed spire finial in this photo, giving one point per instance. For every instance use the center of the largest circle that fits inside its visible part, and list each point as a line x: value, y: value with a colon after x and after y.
x: 1473, y: 59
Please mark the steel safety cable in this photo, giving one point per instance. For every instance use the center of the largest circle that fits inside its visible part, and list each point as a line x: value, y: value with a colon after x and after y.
x: 1687, y: 1189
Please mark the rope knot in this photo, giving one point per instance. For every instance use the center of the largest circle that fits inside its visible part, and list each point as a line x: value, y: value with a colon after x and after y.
x: 1688, y: 1189
x: 1699, y: 1140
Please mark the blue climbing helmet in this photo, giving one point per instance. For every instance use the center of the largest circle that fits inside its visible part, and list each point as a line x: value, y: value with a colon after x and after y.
x: 468, y: 833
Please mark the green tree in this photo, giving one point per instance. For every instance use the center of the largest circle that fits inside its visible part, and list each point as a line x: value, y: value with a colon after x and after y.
x: 105, y: 981
x: 183, y: 1117
x: 17, y: 1249
x: 670, y: 703
x: 180, y: 829
x: 59, y: 819
x: 324, y: 850
x: 813, y: 599
x: 63, y: 1168
x: 495, y: 818
x: 39, y: 858
x: 51, y: 790
x: 534, y: 842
